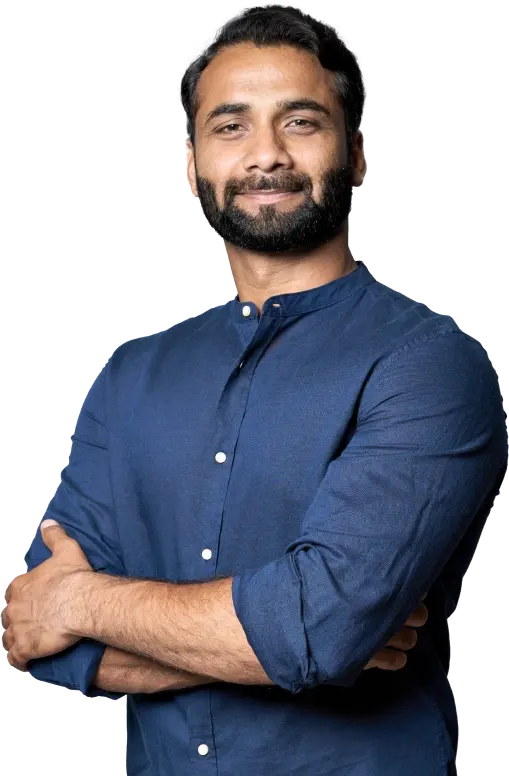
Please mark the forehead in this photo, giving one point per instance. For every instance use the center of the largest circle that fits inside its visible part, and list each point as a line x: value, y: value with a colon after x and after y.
x: 261, y: 75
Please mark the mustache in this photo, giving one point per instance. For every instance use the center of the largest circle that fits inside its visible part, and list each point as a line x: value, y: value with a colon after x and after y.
x: 286, y: 180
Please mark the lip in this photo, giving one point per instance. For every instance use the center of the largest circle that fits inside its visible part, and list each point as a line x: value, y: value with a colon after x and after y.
x: 269, y: 196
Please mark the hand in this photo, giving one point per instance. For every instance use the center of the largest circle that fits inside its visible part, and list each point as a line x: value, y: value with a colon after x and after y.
x: 391, y: 659
x: 38, y: 601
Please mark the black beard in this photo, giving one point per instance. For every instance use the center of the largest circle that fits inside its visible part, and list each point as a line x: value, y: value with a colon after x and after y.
x: 308, y: 225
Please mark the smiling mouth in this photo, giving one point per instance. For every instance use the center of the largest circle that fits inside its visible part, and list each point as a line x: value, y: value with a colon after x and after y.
x: 268, y: 196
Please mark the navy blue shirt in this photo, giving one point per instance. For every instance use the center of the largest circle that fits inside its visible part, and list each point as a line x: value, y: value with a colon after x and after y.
x: 338, y: 455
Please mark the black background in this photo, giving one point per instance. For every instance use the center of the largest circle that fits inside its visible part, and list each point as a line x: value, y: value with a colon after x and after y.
x: 106, y: 246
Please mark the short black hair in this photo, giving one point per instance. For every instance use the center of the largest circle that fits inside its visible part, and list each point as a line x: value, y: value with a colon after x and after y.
x: 279, y: 25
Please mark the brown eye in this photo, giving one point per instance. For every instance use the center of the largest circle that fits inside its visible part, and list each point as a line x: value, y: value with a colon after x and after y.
x: 230, y: 128
x: 231, y: 124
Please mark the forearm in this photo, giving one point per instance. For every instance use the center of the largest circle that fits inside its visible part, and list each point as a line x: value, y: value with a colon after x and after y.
x: 188, y: 626
x: 122, y: 671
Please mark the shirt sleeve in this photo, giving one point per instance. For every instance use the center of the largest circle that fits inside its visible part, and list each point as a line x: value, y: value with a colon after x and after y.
x: 83, y: 505
x: 428, y: 452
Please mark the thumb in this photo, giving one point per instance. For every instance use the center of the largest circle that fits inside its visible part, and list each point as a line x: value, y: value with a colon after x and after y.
x: 52, y: 533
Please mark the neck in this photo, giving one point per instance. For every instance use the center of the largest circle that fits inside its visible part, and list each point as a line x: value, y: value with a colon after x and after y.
x: 259, y: 276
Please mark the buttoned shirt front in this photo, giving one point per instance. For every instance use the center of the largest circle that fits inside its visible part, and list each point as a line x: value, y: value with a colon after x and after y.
x: 337, y: 454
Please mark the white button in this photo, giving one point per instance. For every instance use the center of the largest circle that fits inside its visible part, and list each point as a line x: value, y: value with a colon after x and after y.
x: 246, y: 310
x: 220, y: 457
x: 206, y: 554
x: 203, y: 749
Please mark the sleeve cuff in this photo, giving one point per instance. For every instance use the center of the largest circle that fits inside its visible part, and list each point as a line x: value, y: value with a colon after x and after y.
x: 73, y: 668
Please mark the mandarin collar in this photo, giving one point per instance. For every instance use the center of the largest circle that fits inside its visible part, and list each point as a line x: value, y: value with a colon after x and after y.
x: 300, y: 302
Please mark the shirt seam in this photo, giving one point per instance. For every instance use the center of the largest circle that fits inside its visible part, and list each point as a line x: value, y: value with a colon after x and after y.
x: 413, y: 344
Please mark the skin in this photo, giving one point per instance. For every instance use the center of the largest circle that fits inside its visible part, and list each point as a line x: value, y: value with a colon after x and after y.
x: 267, y: 148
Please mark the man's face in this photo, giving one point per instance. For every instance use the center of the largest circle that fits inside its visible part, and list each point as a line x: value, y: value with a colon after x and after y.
x: 271, y: 176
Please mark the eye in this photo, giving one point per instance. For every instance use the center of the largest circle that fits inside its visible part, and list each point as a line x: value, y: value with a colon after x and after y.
x: 223, y: 130
x: 306, y: 122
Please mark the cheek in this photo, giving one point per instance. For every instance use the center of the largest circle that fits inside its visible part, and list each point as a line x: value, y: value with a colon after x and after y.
x: 313, y: 162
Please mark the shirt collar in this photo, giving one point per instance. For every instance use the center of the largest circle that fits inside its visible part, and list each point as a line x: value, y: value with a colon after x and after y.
x: 310, y: 299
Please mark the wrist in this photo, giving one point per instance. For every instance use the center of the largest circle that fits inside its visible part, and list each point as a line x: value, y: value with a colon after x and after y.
x: 78, y: 611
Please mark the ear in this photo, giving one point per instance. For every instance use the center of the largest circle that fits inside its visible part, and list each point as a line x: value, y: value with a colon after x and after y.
x: 359, y: 164
x: 191, y: 168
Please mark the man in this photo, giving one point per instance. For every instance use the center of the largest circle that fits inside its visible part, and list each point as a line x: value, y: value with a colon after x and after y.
x: 258, y: 498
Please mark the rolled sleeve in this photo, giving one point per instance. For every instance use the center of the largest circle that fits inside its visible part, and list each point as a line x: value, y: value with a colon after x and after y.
x: 83, y: 505
x: 427, y: 458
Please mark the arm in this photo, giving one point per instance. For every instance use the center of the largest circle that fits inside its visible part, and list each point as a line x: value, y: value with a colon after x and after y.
x: 83, y: 505
x: 429, y: 452
x: 188, y: 626
x: 123, y: 672
x: 423, y: 467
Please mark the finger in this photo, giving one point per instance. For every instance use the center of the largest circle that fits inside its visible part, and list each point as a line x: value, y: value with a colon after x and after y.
x: 418, y: 617
x: 7, y: 597
x: 16, y: 661
x: 388, y: 659
x: 53, y: 534
x: 5, y: 618
x: 424, y: 596
x: 406, y: 638
x: 18, y: 656
x: 7, y: 639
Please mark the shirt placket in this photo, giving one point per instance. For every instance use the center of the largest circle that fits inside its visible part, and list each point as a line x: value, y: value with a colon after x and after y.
x: 255, y: 333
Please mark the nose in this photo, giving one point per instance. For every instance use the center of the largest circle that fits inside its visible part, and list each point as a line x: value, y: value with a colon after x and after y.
x: 266, y: 151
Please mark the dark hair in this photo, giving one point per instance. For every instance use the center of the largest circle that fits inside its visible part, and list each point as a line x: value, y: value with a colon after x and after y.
x: 279, y: 25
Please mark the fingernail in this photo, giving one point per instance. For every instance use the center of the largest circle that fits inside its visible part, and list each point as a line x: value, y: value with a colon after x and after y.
x: 48, y: 522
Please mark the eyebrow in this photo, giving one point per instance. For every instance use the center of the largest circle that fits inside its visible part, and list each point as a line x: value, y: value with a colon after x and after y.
x: 284, y: 106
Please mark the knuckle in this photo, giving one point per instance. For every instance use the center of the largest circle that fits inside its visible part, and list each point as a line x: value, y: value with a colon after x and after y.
x: 6, y: 640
